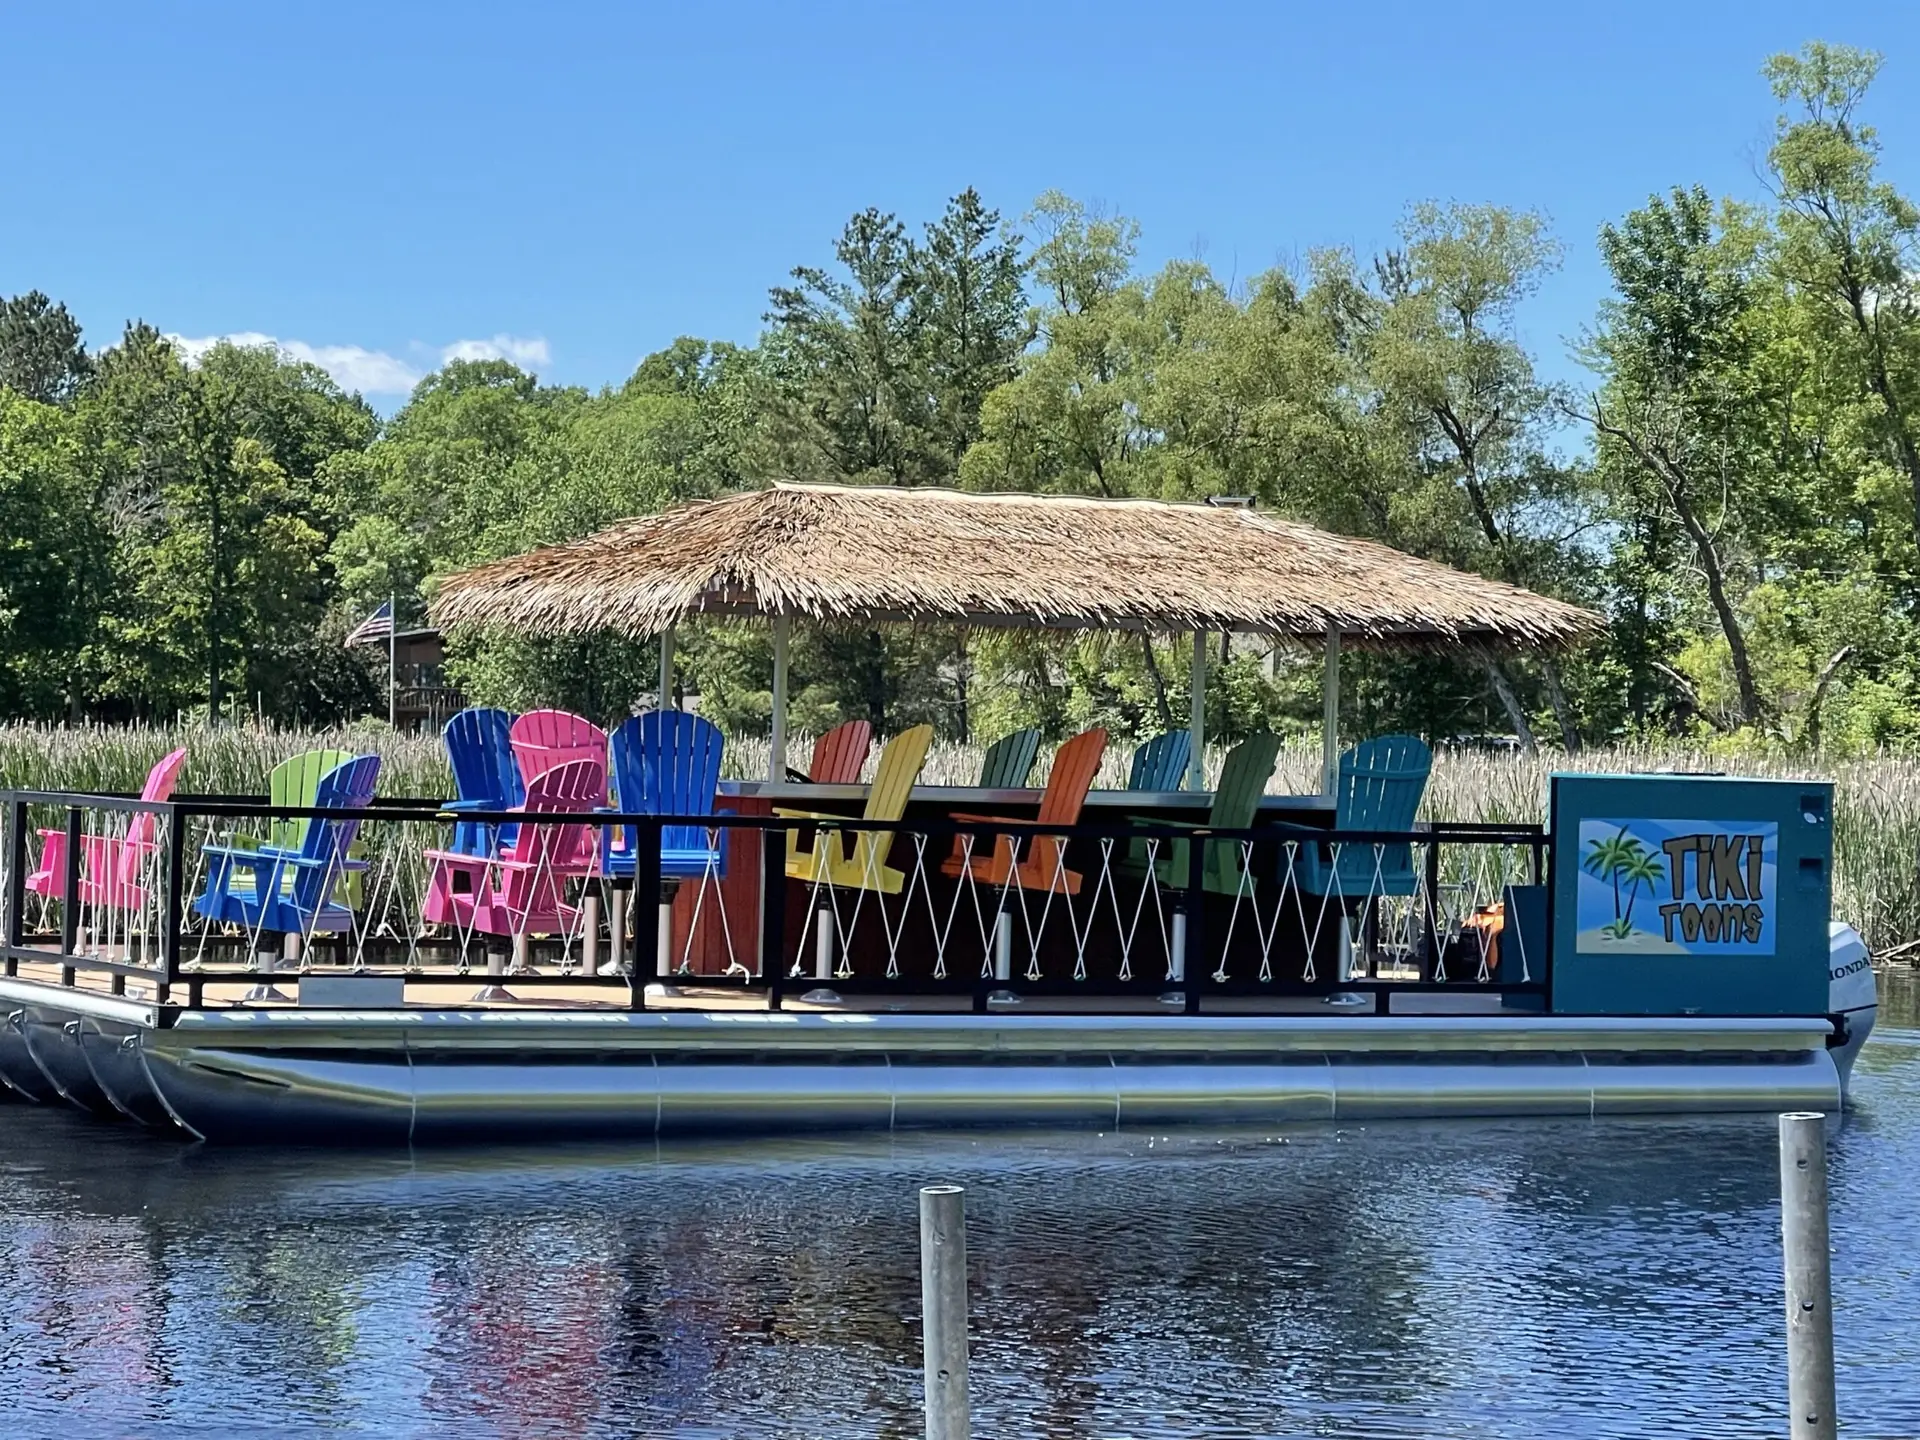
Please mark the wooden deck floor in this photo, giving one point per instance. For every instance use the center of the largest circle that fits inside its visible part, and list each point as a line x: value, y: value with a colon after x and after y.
x: 228, y: 987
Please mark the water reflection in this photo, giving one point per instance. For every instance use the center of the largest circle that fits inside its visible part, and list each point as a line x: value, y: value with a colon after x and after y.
x: 1511, y: 1279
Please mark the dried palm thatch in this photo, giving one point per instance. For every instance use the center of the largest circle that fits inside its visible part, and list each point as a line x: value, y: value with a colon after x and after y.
x: 866, y: 554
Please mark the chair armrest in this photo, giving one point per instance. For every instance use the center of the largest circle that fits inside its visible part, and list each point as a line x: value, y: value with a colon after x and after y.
x: 454, y: 857
x: 786, y: 814
x: 1165, y: 824
x: 248, y: 853
x: 1010, y: 821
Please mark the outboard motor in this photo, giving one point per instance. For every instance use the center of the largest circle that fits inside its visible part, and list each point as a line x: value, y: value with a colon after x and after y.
x: 1851, y: 993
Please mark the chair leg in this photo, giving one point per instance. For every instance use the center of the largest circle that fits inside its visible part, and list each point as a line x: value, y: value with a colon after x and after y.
x: 616, y: 934
x: 497, y: 970
x: 823, y: 947
x: 266, y: 959
x: 589, y: 931
x: 1002, y: 956
x: 1177, y: 961
x: 664, y: 920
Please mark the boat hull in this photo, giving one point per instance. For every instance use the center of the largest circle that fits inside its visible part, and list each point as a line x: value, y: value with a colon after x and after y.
x: 486, y: 1077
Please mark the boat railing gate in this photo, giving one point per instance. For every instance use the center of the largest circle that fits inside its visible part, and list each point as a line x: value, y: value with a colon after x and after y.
x: 98, y: 890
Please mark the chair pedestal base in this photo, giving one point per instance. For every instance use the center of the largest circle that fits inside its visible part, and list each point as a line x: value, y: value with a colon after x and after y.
x: 266, y: 958
x: 493, y: 990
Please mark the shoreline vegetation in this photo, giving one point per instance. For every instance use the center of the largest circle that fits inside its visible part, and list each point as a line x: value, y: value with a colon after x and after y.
x: 1876, y: 802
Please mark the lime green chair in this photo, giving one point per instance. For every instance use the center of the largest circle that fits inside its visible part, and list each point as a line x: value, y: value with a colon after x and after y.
x: 295, y: 783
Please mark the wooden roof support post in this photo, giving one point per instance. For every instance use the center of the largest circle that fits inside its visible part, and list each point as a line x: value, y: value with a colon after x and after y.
x: 1197, y: 759
x: 777, y: 751
x: 666, y: 669
x: 1330, y: 718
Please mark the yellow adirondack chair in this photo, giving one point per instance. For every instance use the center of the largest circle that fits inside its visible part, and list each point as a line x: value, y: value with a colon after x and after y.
x: 852, y: 858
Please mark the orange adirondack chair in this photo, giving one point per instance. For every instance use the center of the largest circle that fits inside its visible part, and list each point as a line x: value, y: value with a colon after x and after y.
x: 839, y: 754
x: 1037, y: 862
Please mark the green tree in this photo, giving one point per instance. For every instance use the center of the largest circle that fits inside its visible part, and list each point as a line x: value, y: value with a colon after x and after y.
x: 967, y: 305
x: 41, y: 354
x: 1684, y: 405
x: 47, y: 619
x: 1849, y: 237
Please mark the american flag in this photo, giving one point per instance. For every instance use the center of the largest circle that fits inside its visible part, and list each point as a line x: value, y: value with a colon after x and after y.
x: 377, y: 626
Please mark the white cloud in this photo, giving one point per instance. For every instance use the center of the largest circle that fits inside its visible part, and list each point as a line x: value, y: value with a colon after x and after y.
x: 524, y: 351
x: 374, y: 372
x: 353, y: 367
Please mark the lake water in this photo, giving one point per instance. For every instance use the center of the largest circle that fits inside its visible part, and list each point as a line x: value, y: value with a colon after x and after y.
x: 1510, y: 1279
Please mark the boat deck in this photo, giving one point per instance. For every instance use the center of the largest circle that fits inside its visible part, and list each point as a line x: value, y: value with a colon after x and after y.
x: 232, y: 987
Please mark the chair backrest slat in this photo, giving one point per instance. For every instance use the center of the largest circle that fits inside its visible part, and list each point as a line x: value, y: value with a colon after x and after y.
x: 295, y: 782
x: 1243, y: 782
x: 1009, y: 760
x: 575, y: 787
x: 544, y: 739
x: 667, y: 762
x: 1381, y: 783
x: 1161, y: 763
x: 839, y: 754
x: 346, y: 786
x: 1075, y: 764
x: 161, y: 780
x: 900, y: 765
x: 480, y: 749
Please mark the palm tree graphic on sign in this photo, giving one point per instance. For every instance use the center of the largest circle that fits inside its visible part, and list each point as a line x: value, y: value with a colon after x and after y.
x: 1623, y: 859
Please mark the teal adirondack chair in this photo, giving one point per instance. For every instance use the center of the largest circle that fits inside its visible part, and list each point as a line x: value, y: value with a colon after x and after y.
x: 1009, y: 760
x: 1381, y: 782
x: 1243, y: 781
x: 1161, y: 763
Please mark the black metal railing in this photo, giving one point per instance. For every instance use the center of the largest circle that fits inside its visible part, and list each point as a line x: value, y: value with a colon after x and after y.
x: 116, y: 894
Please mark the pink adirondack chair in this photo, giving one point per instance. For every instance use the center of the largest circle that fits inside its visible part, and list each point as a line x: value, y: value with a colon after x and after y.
x: 543, y: 739
x: 523, y: 891
x: 109, y: 864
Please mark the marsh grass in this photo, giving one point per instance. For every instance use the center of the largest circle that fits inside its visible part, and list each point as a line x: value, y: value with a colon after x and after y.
x: 1876, y: 805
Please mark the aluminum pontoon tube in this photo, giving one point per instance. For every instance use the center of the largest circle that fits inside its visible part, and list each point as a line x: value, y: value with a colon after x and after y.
x: 375, y: 1077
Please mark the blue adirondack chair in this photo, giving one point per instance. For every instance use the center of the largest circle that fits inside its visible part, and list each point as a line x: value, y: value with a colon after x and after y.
x: 1161, y: 763
x: 667, y: 762
x: 485, y: 776
x: 291, y: 891
x: 1381, y: 782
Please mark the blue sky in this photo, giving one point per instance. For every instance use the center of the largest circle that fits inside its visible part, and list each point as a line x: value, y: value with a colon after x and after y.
x: 576, y: 184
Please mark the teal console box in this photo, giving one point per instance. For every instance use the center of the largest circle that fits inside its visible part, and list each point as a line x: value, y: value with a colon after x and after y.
x: 1689, y: 895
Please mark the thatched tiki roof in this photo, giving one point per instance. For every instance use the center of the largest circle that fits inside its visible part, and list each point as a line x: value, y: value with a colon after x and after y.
x: 865, y: 554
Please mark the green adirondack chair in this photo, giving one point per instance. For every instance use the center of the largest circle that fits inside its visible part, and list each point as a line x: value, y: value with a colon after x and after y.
x: 1009, y: 760
x: 1243, y: 781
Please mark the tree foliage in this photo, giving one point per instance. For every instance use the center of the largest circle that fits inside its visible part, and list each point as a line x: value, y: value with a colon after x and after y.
x: 1736, y: 484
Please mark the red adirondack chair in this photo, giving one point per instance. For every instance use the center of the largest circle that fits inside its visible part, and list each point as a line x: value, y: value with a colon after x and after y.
x: 109, y: 864
x: 1036, y: 862
x: 523, y: 891
x: 544, y: 739
x: 839, y: 754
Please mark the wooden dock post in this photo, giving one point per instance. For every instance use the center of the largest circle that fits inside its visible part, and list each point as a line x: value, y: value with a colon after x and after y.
x: 1803, y: 1234
x: 943, y: 1310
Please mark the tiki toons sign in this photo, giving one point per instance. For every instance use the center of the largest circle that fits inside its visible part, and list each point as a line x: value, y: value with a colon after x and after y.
x: 1684, y: 887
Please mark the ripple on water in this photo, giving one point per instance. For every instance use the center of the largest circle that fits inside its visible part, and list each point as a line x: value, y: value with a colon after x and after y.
x: 1396, y: 1280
